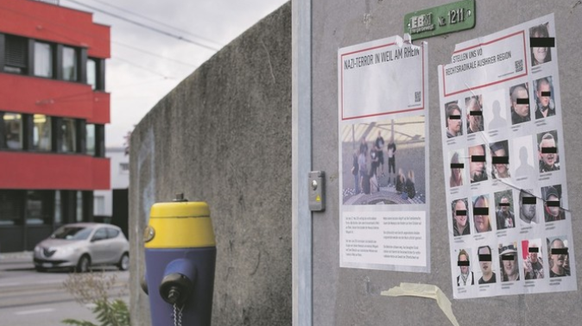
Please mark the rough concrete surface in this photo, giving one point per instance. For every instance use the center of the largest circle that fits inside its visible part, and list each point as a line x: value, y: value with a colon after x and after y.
x: 224, y: 136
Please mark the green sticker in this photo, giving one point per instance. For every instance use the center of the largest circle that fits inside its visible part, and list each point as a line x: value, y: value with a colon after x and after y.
x: 452, y: 17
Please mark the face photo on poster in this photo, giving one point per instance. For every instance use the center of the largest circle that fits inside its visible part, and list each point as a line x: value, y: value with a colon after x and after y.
x: 383, y: 162
x: 457, y: 168
x: 540, y: 55
x: 553, y: 210
x: 453, y: 119
x: 549, y: 159
x: 481, y: 214
x: 522, y: 149
x: 545, y: 104
x: 509, y: 262
x: 465, y: 274
x: 533, y: 259
x: 478, y: 163
x: 519, y: 99
x: 559, y: 260
x: 460, y: 219
x: 528, y: 207
x: 504, y: 212
x: 495, y: 109
x: 487, y: 265
x: 499, y: 152
x: 474, y: 109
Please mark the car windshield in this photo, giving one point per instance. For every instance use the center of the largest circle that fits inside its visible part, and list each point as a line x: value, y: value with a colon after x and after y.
x: 72, y: 233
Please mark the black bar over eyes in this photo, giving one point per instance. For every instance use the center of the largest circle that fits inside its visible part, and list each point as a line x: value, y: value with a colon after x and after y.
x: 463, y: 263
x: 481, y: 210
x: 455, y: 117
x: 477, y: 158
x: 546, y: 94
x: 507, y: 257
x: 504, y: 204
x: 484, y: 257
x: 500, y: 159
x: 528, y: 200
x: 542, y: 42
x: 457, y: 166
x: 553, y: 203
x: 559, y: 251
x: 549, y: 150
x: 477, y: 113
x: 534, y: 249
x: 522, y: 101
x: 461, y: 212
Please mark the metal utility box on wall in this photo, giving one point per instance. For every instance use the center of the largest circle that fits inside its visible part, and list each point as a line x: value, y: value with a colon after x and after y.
x: 324, y: 293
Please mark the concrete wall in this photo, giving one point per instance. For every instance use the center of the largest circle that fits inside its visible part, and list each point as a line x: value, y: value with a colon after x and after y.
x: 224, y: 136
x: 343, y: 296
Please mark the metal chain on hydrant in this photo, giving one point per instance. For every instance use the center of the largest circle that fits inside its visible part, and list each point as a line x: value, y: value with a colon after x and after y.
x: 177, y: 315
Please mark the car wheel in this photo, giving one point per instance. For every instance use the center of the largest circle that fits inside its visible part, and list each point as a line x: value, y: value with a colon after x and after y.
x: 123, y: 264
x: 83, y: 264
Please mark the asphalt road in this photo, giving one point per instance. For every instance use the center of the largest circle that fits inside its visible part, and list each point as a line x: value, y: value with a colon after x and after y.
x: 29, y: 298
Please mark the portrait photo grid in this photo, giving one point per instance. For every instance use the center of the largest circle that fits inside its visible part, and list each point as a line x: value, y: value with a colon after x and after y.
x: 508, y: 217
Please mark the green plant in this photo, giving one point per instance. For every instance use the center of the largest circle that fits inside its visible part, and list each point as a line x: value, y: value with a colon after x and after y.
x: 96, y: 288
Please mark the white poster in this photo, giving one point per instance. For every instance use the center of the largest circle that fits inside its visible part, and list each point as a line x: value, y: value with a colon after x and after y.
x: 510, y: 228
x: 383, y: 156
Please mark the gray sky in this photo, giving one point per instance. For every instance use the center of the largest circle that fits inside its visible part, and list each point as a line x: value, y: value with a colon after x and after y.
x: 136, y: 79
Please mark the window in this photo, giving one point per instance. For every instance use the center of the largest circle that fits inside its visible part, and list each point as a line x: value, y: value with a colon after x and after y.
x: 100, y: 234
x: 69, y: 64
x: 112, y: 233
x: 37, y: 207
x: 90, y: 139
x: 16, y: 54
x: 58, y: 208
x: 99, y: 204
x: 10, y: 207
x: 12, y: 130
x: 43, y: 60
x: 41, y: 133
x: 123, y: 168
x: 92, y: 73
x: 79, y: 210
x: 68, y: 136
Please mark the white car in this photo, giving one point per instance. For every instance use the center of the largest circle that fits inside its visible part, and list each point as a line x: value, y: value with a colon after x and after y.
x: 79, y: 246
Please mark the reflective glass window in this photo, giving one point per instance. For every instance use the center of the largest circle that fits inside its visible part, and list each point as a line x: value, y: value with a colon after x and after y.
x: 69, y: 64
x: 41, y: 132
x: 43, y: 60
x: 69, y: 135
x: 92, y: 73
x: 90, y: 139
x: 12, y: 130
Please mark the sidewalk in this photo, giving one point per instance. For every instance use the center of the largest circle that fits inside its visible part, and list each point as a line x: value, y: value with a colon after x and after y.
x: 15, y: 257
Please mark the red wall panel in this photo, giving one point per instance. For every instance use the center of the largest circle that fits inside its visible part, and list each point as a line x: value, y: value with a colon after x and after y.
x: 27, y: 94
x: 53, y: 171
x: 59, y: 24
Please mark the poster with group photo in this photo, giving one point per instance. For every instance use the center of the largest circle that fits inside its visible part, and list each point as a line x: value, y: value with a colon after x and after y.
x: 383, y: 156
x: 510, y: 227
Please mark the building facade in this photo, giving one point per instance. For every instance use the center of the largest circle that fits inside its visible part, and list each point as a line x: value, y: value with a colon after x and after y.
x: 53, y: 111
x: 111, y: 206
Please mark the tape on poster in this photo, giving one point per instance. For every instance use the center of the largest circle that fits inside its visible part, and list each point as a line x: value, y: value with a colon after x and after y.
x: 424, y: 291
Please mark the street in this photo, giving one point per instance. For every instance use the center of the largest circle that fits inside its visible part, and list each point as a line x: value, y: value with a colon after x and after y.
x: 28, y: 297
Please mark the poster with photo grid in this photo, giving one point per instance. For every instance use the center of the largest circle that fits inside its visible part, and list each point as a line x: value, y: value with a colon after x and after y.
x: 510, y: 228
